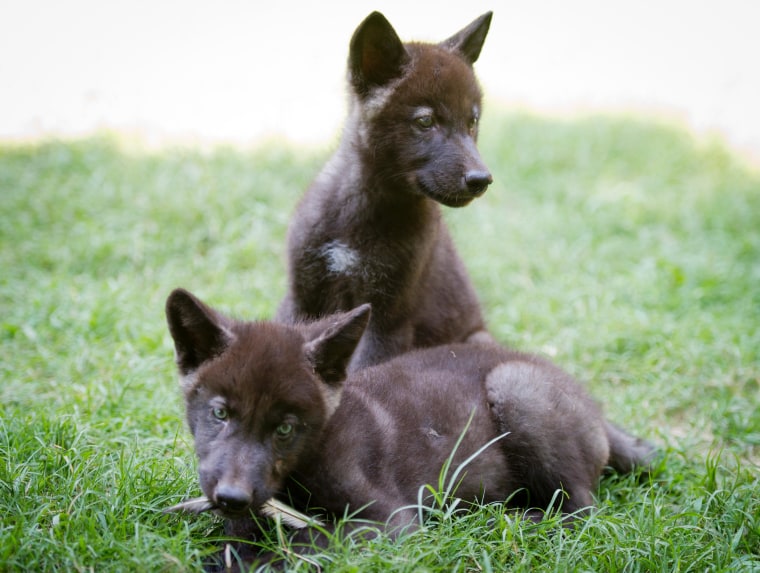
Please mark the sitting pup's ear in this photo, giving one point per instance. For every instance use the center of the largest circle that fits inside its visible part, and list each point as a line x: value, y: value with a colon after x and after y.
x: 469, y: 40
x: 376, y: 55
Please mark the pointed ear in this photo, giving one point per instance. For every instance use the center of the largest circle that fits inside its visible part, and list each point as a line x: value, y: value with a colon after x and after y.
x: 376, y: 55
x: 469, y: 41
x: 199, y: 332
x: 331, y: 351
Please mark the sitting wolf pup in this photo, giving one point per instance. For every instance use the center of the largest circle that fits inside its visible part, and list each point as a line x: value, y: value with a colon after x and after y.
x: 274, y: 414
x: 369, y: 229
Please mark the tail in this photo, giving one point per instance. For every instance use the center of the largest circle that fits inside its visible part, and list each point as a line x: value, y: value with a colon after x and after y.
x: 627, y: 452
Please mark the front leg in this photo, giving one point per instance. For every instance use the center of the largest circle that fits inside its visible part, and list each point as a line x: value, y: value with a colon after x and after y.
x: 243, y: 550
x: 246, y: 551
x: 305, y: 544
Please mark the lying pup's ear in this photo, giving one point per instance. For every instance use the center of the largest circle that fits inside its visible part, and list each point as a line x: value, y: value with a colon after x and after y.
x: 199, y: 332
x: 331, y: 350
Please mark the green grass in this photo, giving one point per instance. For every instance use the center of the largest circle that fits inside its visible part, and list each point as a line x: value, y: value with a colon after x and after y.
x: 621, y: 247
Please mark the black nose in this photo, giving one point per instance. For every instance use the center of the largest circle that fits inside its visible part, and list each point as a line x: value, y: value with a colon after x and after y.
x: 232, y: 498
x: 477, y: 181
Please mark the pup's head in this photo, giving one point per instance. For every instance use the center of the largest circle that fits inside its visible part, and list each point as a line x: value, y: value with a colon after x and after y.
x: 258, y: 394
x: 417, y: 106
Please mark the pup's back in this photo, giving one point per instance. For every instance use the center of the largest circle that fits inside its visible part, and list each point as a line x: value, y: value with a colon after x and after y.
x: 399, y: 422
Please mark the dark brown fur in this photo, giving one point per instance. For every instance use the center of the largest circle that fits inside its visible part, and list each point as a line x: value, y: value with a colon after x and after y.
x: 273, y: 414
x: 369, y: 230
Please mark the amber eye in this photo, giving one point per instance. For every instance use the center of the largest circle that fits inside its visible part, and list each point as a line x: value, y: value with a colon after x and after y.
x: 220, y: 413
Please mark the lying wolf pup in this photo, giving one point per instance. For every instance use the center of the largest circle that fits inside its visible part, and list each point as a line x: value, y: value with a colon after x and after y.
x: 275, y: 416
x: 369, y: 229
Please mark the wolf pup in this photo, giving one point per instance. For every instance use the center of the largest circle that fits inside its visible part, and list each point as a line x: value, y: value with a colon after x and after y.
x: 274, y: 415
x: 369, y: 229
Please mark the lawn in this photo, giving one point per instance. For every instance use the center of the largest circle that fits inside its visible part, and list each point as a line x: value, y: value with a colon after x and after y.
x: 622, y: 247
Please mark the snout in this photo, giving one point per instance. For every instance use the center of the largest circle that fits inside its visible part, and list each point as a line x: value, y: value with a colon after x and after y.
x: 477, y: 181
x: 236, y: 474
x: 231, y: 498
x: 456, y: 176
x: 472, y: 185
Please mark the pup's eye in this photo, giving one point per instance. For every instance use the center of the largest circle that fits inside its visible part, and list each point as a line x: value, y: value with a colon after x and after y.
x: 424, y: 121
x: 284, y: 430
x: 220, y: 413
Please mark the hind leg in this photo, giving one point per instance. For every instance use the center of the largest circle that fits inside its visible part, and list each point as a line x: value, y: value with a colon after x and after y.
x: 557, y: 439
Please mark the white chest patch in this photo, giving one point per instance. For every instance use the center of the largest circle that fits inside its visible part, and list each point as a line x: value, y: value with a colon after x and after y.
x: 341, y: 259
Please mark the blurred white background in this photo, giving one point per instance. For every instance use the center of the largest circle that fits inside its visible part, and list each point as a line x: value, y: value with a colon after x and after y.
x: 239, y: 70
